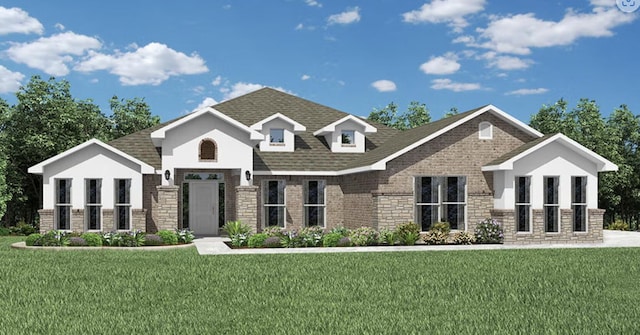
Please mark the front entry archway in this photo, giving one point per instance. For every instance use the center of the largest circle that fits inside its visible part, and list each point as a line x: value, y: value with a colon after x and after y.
x: 204, y: 207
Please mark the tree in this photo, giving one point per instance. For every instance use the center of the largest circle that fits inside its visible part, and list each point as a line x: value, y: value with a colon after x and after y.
x: 130, y: 115
x: 453, y: 111
x: 416, y: 115
x: 4, y: 192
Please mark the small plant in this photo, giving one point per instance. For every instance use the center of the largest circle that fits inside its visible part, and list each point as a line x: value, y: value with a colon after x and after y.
x: 23, y: 229
x: 489, y: 231
x: 618, y: 225
x: 408, y: 233
x: 185, y: 236
x: 54, y: 238
x: 132, y: 239
x: 364, y: 236
x: 274, y: 231
x: 410, y: 238
x: 272, y: 242
x: 311, y: 236
x: 152, y: 239
x: 340, y: 230
x: 387, y: 236
x: 435, y: 237
x: 169, y: 237
x: 291, y: 239
x: 442, y: 226
x: 92, y: 239
x: 257, y: 240
x: 76, y: 241
x: 235, y: 228
x: 344, y: 242
x: 463, y: 237
x: 331, y: 239
x: 5, y: 231
x: 33, y: 239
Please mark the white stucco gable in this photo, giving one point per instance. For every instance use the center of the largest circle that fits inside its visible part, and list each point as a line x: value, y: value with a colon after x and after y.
x: 351, y: 127
x: 278, y: 125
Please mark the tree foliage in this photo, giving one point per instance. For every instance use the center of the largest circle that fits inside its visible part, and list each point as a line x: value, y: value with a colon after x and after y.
x: 130, y: 115
x: 416, y: 115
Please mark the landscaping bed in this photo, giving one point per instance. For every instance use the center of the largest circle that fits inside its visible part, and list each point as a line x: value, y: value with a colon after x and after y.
x: 114, y: 239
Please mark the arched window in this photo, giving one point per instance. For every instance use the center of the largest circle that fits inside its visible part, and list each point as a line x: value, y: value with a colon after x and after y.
x: 485, y: 130
x: 208, y: 150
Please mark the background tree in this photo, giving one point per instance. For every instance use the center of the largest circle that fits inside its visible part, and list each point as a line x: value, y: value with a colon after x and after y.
x: 130, y: 115
x: 4, y: 192
x: 416, y: 115
x: 452, y: 111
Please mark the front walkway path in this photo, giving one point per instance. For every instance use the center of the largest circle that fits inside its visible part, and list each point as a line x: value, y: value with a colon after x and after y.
x: 612, y: 239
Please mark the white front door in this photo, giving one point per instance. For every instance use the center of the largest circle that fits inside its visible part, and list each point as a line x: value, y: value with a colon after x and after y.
x: 203, y: 207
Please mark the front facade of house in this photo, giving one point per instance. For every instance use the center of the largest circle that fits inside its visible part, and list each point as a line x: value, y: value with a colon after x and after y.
x: 269, y: 158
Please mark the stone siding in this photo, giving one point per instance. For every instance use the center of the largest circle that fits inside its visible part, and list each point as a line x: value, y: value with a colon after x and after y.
x: 46, y: 220
x: 77, y: 219
x: 246, y: 209
x: 479, y: 207
x: 391, y: 209
x: 108, y: 220
x: 165, y: 210
x: 139, y: 219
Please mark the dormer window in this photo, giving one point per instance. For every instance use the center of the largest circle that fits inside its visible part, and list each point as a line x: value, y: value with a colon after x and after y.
x: 347, y: 134
x: 208, y: 150
x: 348, y: 138
x: 485, y: 130
x: 276, y: 136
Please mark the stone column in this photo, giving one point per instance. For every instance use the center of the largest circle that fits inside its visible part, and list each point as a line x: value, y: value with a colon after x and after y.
x: 595, y: 224
x: 139, y: 219
x: 77, y: 220
x: 247, y: 206
x: 108, y: 220
x: 46, y: 220
x: 506, y: 217
x: 165, y: 210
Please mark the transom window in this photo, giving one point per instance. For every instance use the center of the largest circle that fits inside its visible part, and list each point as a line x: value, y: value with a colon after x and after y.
x: 314, y: 203
x: 579, y: 203
x: 523, y: 204
x: 63, y: 204
x: 440, y: 199
x: 92, y: 199
x: 208, y: 150
x: 122, y: 206
x: 551, y: 205
x: 276, y: 136
x: 274, y: 203
x: 348, y: 137
x: 485, y: 130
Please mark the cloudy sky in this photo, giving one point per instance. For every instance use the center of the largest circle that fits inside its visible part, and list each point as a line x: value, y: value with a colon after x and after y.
x: 350, y: 55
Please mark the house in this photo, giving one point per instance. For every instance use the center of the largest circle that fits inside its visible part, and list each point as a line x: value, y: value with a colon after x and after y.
x: 270, y: 158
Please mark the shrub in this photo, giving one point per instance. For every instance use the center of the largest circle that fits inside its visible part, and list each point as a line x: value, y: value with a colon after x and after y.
x: 387, y: 236
x: 76, y: 241
x: 235, y: 228
x: 5, y: 231
x: 291, y: 239
x: 463, y: 237
x: 340, y: 230
x: 54, y: 238
x: 441, y: 226
x: 618, y: 225
x: 257, y: 240
x: 110, y: 238
x: 152, y: 239
x: 185, y: 236
x: 364, y: 236
x: 311, y: 236
x: 169, y: 237
x: 331, y: 239
x: 489, y: 231
x: 274, y: 231
x: 23, y: 228
x: 92, y: 239
x: 134, y: 239
x: 272, y: 242
x: 435, y: 237
x: 408, y: 233
x: 409, y: 238
x: 33, y: 239
x: 344, y: 242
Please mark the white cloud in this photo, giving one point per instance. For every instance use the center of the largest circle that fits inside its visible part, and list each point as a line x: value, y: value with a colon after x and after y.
x: 16, y: 20
x: 305, y: 77
x: 52, y: 54
x: 151, y: 64
x: 350, y: 16
x: 300, y: 26
x: 452, y: 12
x: 9, y: 81
x: 446, y: 64
x: 313, y: 3
x: 217, y: 81
x: 465, y: 39
x: 59, y: 26
x: 241, y: 88
x: 528, y: 91
x: 208, y: 101
x: 384, y: 85
x: 447, y: 84
x: 506, y: 63
x: 517, y: 34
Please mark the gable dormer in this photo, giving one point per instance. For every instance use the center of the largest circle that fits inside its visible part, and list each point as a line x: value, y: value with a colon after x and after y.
x: 347, y: 134
x: 279, y: 132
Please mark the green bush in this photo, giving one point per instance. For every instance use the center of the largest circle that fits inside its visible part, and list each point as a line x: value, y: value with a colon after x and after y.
x: 33, y: 239
x: 311, y: 236
x: 364, y: 236
x: 291, y: 239
x: 93, y: 239
x: 257, y: 240
x: 387, y: 236
x: 489, y: 231
x: 235, y: 228
x: 23, y: 228
x: 331, y: 239
x: 54, y: 238
x: 274, y: 231
x: 152, y: 240
x: 441, y: 226
x: 435, y: 237
x: 344, y: 242
x: 408, y: 233
x: 463, y: 237
x: 76, y: 241
x: 272, y: 242
x: 409, y: 238
x: 5, y: 231
x: 340, y: 230
x: 134, y: 239
x: 185, y: 236
x: 168, y: 237
x: 618, y: 225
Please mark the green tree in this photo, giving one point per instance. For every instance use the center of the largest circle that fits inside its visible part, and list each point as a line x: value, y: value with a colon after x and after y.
x: 416, y: 115
x: 550, y: 119
x: 452, y: 111
x: 4, y: 191
x: 130, y: 115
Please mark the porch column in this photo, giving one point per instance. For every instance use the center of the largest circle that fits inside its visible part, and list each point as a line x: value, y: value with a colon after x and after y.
x: 247, y: 206
x: 165, y: 210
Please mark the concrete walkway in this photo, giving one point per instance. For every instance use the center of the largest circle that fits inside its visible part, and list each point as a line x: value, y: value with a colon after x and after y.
x: 216, y: 246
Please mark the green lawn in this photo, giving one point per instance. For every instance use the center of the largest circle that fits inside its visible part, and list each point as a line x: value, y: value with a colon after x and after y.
x: 568, y: 291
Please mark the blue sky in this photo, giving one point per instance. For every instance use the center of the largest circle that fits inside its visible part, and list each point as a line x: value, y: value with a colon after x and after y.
x: 349, y: 55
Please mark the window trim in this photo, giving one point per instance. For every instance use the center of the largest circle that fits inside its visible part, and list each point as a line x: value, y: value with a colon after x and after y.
x: 87, y: 204
x: 322, y: 206
x: 353, y: 137
x: 517, y: 204
x: 440, y: 205
x: 555, y: 205
x: 585, y: 181
x: 57, y: 204
x: 484, y: 125
x: 117, y: 205
x: 215, y: 150
x: 265, y: 198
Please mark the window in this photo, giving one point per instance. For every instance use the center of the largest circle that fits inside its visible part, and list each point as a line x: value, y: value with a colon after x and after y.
x: 523, y: 204
x: 276, y: 136
x: 92, y: 206
x: 208, y: 150
x: 274, y: 205
x: 485, y: 130
x: 441, y: 199
x: 348, y: 137
x: 579, y: 203
x: 63, y: 204
x: 122, y: 206
x: 314, y: 203
x: 551, y: 204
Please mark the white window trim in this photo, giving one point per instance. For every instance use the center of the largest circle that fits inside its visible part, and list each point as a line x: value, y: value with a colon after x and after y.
x: 56, y: 223
x: 556, y: 205
x: 523, y: 204
x: 265, y: 184
x: 483, y: 126
x: 305, y: 189
x: 586, y: 208
x: 98, y: 205
x: 441, y: 203
x: 352, y: 136
x: 116, y: 204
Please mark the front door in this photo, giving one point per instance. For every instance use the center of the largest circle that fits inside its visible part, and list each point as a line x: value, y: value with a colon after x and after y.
x: 203, y: 207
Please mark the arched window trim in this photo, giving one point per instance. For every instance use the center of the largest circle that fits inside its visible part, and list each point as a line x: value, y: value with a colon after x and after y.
x: 215, y: 150
x: 482, y: 127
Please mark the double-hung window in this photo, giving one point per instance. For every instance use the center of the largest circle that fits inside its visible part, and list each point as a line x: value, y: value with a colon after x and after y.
x: 523, y: 204
x: 314, y: 203
x: 122, y: 206
x: 440, y: 198
x: 551, y: 205
x: 273, y: 203
x: 63, y: 204
x: 579, y: 203
x: 92, y: 207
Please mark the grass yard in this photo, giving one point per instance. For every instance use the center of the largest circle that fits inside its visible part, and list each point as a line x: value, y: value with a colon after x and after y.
x: 565, y: 291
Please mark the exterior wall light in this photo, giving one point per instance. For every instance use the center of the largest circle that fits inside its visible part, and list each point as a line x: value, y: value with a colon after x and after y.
x: 167, y: 174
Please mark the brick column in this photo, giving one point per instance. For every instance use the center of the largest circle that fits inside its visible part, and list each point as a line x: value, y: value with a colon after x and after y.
x: 247, y: 206
x: 165, y: 210
x: 108, y: 220
x: 46, y: 220
x: 139, y: 219
x: 595, y: 224
x: 77, y: 220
